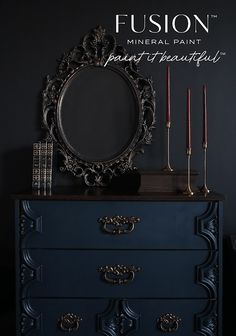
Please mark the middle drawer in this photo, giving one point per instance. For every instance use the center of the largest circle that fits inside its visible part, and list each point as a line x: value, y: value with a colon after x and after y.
x: 100, y: 273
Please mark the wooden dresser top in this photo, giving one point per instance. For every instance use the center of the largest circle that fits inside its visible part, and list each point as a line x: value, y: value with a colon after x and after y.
x: 103, y: 194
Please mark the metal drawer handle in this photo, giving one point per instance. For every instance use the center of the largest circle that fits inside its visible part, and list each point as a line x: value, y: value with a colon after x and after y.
x: 118, y: 224
x: 168, y: 322
x: 118, y: 274
x: 69, y: 322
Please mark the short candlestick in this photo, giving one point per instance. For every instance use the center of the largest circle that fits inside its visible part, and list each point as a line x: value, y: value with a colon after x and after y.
x: 188, y: 191
x: 204, y: 188
x: 168, y: 168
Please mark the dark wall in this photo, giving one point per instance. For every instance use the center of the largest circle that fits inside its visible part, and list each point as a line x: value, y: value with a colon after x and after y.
x: 34, y: 34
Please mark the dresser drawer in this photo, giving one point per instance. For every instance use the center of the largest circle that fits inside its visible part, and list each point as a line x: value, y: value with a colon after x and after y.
x: 49, y: 317
x: 86, y: 273
x: 110, y: 224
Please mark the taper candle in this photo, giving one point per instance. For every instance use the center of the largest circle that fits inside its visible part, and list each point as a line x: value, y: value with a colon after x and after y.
x: 168, y: 120
x: 204, y: 135
x: 188, y: 126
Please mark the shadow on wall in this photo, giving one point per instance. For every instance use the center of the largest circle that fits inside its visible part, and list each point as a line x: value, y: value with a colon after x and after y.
x: 16, y: 176
x: 17, y: 172
x: 229, y: 292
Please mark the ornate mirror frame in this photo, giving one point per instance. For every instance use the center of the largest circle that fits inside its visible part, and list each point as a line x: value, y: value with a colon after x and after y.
x: 95, y: 49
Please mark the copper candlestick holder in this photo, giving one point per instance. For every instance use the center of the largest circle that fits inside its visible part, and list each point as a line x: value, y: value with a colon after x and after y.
x: 168, y: 168
x: 188, y: 191
x: 204, y: 188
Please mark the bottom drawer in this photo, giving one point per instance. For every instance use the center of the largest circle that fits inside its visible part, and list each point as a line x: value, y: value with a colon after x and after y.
x: 116, y: 317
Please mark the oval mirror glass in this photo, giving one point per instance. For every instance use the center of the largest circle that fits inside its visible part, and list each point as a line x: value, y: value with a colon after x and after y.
x: 98, y: 113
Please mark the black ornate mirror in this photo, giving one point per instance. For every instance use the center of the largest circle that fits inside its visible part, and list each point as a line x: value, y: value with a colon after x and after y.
x: 99, y: 114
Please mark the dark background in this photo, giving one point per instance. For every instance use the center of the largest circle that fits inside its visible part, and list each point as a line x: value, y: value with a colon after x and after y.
x: 34, y: 34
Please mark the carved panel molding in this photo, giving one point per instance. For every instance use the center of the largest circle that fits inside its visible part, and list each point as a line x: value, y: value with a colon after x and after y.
x: 29, y: 222
x: 207, y: 225
x: 30, y: 320
x: 206, y: 321
x: 118, y: 319
x: 29, y: 271
x: 207, y: 274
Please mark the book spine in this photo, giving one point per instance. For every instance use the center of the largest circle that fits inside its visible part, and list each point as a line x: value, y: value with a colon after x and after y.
x: 36, y: 176
x: 43, y: 165
x: 49, y: 165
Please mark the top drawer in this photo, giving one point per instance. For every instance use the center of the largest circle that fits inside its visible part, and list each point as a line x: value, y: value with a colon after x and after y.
x: 82, y: 224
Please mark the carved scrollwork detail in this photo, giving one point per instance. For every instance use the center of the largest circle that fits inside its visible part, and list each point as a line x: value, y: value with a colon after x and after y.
x: 206, y: 321
x: 99, y: 45
x: 30, y: 320
x: 95, y: 49
x: 118, y: 224
x: 118, y: 319
x: 29, y: 221
x: 207, y: 225
x: 168, y: 322
x: 207, y: 274
x: 69, y: 322
x: 27, y: 274
x: 118, y: 274
x: 29, y: 271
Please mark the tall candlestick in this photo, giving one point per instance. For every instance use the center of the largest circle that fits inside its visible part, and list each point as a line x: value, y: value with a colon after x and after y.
x: 188, y: 191
x: 168, y: 168
x: 188, y: 126
x: 204, y: 188
x: 168, y: 120
x: 204, y: 135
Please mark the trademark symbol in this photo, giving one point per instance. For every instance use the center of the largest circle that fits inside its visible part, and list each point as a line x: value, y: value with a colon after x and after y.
x: 213, y: 16
x: 223, y: 53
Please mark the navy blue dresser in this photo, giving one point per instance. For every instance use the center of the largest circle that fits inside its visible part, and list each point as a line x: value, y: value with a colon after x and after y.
x: 118, y: 265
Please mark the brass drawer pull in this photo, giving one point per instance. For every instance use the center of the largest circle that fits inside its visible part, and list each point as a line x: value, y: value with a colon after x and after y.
x: 168, y: 322
x: 69, y: 322
x: 118, y: 274
x: 118, y: 224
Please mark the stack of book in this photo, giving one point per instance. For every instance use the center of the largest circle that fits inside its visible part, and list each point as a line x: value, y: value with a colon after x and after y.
x: 42, y: 165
